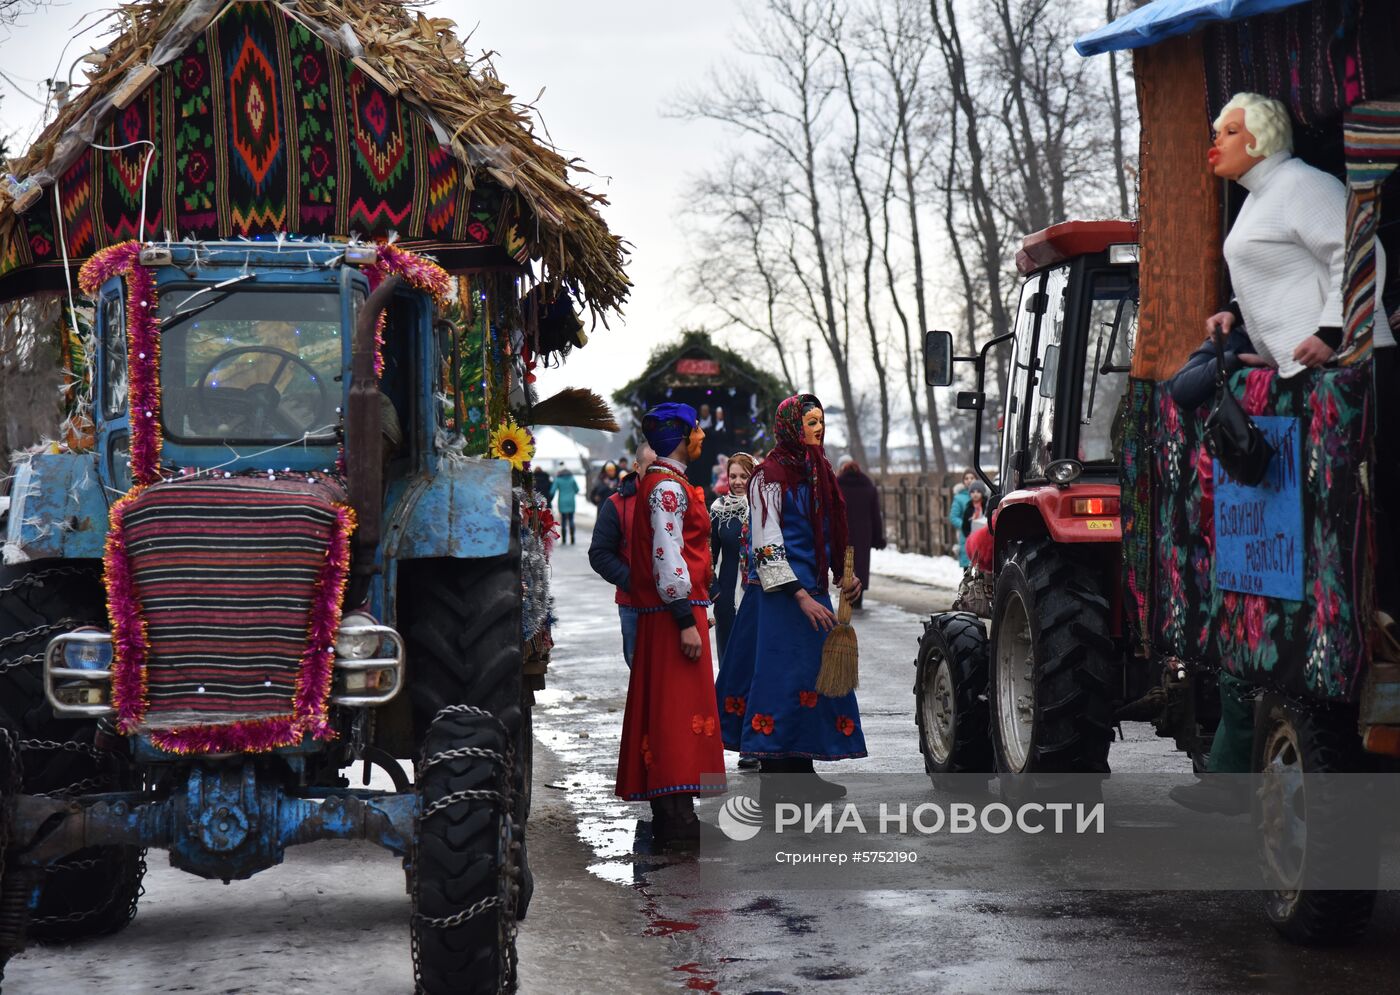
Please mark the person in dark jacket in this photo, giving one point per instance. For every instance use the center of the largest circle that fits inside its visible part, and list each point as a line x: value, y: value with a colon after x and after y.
x: 1194, y: 384
x: 607, y: 552
x: 605, y: 486
x: 864, y: 519
x: 974, y: 516
x: 542, y: 483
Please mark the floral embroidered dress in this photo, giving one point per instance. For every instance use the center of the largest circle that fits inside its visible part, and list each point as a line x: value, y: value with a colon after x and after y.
x: 670, y: 732
x: 767, y: 683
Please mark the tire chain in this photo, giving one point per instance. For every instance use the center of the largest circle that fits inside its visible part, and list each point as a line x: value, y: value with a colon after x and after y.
x: 62, y: 625
x: 12, y: 906
x: 35, y: 579
x: 11, y: 749
x: 505, y: 799
x: 40, y: 576
x: 97, y: 753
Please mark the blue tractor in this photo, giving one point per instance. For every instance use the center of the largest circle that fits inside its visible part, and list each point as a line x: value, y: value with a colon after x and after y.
x: 268, y: 568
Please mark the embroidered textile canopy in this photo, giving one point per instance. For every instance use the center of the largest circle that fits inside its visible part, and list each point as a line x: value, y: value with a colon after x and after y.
x: 319, y: 117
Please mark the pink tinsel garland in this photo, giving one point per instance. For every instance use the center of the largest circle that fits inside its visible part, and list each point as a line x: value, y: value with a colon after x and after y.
x: 129, y: 643
x: 417, y: 271
x: 142, y: 353
x: 318, y: 659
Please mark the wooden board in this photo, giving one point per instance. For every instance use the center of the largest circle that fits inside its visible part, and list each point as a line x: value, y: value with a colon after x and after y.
x: 1179, y: 209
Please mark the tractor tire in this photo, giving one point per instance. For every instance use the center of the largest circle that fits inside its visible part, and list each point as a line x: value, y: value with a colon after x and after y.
x: 93, y: 891
x: 1291, y: 738
x: 460, y: 620
x: 464, y: 877
x: 950, y: 690
x: 1054, y: 664
x: 469, y: 610
x: 14, y: 885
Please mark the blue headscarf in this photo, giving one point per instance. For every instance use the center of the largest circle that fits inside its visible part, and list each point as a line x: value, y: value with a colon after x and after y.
x: 667, y: 425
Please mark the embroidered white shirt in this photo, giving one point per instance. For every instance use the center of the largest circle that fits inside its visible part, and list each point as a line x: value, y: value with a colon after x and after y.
x: 1287, y: 254
x: 667, y: 506
x: 766, y: 534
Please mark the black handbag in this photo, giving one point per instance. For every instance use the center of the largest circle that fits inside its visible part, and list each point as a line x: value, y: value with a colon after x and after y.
x: 1231, y: 435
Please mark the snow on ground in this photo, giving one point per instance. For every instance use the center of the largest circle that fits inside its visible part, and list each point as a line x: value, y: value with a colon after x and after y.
x: 938, y: 571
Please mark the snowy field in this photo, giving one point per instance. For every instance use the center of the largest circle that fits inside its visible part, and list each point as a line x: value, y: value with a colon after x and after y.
x: 937, y: 571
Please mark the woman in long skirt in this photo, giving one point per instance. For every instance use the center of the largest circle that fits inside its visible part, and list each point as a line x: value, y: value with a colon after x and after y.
x: 798, y: 527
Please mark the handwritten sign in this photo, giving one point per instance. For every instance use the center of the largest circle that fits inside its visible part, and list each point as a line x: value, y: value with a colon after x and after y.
x: 698, y: 367
x: 1259, y: 530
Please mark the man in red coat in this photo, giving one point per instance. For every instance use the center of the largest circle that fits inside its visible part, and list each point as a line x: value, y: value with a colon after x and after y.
x: 671, y: 749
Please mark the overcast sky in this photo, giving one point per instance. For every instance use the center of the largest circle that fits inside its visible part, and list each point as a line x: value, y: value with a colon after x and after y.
x: 608, y: 68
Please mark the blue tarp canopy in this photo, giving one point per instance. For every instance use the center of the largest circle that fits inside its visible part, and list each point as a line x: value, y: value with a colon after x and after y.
x: 1163, y: 19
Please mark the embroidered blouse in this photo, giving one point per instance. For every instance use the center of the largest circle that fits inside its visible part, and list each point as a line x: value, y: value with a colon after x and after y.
x: 667, y: 506
x: 769, y: 550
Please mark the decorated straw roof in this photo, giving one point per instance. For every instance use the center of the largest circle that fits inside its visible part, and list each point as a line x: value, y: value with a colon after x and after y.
x: 734, y: 369
x: 415, y: 58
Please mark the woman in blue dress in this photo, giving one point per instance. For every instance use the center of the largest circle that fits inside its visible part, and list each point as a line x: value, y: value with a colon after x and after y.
x: 768, y: 702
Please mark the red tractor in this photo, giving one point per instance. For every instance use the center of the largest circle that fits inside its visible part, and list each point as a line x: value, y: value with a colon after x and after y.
x: 1043, y: 692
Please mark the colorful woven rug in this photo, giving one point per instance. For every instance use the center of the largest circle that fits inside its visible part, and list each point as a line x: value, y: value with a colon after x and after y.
x: 260, y: 128
x: 1312, y: 648
x: 225, y: 597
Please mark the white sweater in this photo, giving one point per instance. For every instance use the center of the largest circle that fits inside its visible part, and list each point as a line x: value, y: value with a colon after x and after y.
x: 1287, y: 255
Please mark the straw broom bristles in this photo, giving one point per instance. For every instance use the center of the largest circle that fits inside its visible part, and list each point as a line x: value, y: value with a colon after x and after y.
x: 574, y: 407
x: 840, y: 673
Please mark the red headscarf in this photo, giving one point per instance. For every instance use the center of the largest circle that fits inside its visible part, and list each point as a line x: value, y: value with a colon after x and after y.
x: 793, y: 463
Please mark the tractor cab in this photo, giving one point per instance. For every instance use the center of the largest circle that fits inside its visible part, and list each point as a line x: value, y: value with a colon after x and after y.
x: 1066, y: 385
x: 1039, y: 690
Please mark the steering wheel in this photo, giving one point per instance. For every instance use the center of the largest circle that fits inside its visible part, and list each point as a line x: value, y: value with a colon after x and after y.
x: 257, y: 404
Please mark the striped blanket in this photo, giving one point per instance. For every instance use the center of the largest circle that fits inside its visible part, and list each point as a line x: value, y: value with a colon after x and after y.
x: 226, y: 573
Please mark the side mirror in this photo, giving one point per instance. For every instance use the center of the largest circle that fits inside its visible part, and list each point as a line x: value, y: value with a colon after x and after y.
x: 938, y: 358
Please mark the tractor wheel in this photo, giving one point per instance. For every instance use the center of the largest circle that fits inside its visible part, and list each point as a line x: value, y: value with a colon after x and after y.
x: 1054, y: 666
x: 951, y: 693
x: 14, y: 888
x: 93, y: 891
x: 461, y: 628
x: 464, y: 877
x: 460, y: 621
x: 1304, y: 826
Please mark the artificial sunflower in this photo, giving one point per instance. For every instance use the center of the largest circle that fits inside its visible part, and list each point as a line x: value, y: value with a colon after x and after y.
x: 514, y: 444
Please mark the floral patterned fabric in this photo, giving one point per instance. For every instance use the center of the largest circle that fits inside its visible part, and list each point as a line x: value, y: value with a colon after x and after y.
x: 1312, y: 648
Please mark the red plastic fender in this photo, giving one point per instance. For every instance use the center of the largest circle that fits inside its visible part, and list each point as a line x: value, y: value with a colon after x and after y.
x: 1050, y: 510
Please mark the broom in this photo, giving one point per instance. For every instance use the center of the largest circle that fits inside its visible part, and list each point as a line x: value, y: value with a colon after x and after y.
x: 574, y: 407
x: 840, y: 671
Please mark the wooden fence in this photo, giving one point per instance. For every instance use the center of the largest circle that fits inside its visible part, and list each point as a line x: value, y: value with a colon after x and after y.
x: 916, y: 506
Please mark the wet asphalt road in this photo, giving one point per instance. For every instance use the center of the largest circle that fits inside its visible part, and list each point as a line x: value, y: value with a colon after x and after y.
x: 910, y: 940
x: 609, y: 917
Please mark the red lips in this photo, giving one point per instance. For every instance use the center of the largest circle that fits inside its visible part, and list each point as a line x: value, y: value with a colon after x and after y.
x: 1213, y: 156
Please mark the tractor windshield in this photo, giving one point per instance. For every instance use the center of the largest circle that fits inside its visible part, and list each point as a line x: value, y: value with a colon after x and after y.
x: 1112, y: 325
x: 250, y: 364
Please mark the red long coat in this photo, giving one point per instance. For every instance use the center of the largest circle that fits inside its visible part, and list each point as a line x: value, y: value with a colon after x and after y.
x: 670, y: 732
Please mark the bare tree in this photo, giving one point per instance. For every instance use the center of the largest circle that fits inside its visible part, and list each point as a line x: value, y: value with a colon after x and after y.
x: 785, y: 114
x: 854, y: 150
x: 1115, y: 107
x: 897, y: 40
x: 869, y: 132
x: 739, y: 269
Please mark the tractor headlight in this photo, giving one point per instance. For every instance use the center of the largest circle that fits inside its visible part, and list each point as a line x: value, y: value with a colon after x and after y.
x: 88, y: 654
x: 1063, y: 472
x: 358, y: 638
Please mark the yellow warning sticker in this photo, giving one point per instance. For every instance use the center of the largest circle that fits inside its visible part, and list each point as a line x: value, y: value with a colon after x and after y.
x: 1099, y: 524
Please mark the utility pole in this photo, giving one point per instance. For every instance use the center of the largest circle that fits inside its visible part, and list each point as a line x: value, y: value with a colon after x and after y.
x: 811, y: 374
